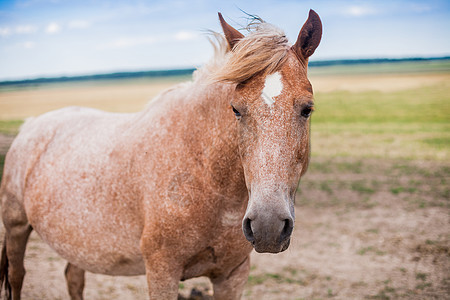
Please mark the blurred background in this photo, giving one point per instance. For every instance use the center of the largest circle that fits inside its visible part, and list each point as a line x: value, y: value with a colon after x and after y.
x: 57, y: 37
x: 372, y: 213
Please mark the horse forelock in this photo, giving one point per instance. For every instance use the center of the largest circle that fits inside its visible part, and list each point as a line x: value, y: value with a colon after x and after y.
x: 263, y: 50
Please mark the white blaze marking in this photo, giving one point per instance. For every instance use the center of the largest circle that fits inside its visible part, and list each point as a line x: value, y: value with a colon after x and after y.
x: 230, y: 218
x: 272, y: 88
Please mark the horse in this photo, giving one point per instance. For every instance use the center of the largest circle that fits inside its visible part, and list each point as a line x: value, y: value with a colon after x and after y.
x: 187, y: 187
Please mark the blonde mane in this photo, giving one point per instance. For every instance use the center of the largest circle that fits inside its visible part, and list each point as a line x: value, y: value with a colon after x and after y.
x: 263, y: 50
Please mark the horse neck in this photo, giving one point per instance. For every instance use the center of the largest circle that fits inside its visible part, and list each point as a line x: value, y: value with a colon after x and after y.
x: 220, y: 141
x: 199, y: 118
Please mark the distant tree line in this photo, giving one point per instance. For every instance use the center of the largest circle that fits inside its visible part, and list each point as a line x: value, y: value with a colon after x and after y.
x: 181, y: 72
x: 108, y: 76
x: 326, y: 63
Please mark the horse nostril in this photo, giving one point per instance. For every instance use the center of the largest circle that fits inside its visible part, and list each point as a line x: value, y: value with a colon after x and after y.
x: 287, y: 229
x: 247, y: 228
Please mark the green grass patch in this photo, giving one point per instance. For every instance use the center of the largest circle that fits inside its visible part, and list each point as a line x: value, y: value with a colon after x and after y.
x: 370, y: 249
x: 366, y: 183
x: 431, y: 242
x: 278, y: 278
x: 421, y: 276
x: 2, y: 165
x: 362, y: 187
x: 291, y: 270
x: 386, y: 293
x: 407, y: 67
x: 406, y: 124
x: 325, y: 186
x: 422, y: 105
x: 423, y: 141
x: 329, y: 166
x: 438, y: 142
x: 10, y: 127
x: 330, y: 293
x: 401, y: 189
x: 422, y: 286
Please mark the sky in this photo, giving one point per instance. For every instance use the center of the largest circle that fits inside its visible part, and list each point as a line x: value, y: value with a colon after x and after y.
x: 46, y: 38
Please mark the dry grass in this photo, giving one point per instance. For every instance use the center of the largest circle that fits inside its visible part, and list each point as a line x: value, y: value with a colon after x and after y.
x: 375, y: 82
x: 115, y: 96
x: 129, y: 96
x: 372, y: 213
x: 364, y: 229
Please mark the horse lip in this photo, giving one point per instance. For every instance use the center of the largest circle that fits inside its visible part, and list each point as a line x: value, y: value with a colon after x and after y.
x: 272, y: 249
x: 267, y: 250
x: 286, y: 245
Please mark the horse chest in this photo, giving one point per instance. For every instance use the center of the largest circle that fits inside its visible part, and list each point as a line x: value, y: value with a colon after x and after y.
x: 224, y: 252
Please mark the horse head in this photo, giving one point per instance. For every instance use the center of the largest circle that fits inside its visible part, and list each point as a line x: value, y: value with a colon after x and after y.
x: 273, y: 107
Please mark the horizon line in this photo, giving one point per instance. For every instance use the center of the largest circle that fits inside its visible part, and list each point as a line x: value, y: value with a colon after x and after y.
x: 188, y: 70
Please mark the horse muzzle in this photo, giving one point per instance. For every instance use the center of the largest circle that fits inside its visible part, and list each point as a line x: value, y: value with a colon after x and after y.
x: 268, y: 233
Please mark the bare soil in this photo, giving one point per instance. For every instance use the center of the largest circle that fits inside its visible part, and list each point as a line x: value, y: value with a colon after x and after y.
x: 365, y: 229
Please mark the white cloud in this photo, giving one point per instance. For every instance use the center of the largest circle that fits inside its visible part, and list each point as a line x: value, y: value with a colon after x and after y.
x: 53, y: 28
x: 27, y: 3
x: 25, y: 29
x: 359, y: 11
x: 20, y: 29
x: 28, y: 45
x: 185, y: 35
x: 5, y: 31
x: 79, y: 24
x: 128, y: 42
x: 420, y: 8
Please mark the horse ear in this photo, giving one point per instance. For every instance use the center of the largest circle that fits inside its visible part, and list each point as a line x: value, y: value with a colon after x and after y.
x: 309, y: 36
x: 231, y: 34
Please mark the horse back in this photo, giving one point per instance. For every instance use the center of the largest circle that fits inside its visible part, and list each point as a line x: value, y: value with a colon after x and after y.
x: 40, y: 137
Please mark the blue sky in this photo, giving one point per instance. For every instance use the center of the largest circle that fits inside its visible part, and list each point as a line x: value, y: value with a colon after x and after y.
x: 63, y: 37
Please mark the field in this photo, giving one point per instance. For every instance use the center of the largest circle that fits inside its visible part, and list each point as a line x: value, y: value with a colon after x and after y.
x: 372, y: 213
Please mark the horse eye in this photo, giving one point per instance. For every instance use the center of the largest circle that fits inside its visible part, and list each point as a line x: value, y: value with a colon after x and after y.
x: 306, y: 112
x: 238, y: 114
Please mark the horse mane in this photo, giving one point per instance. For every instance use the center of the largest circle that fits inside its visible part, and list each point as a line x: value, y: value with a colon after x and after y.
x: 263, y: 50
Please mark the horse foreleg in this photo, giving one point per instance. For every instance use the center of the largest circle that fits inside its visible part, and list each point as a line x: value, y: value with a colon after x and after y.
x: 163, y: 273
x: 75, y: 281
x: 17, y: 231
x: 232, y: 285
x: 16, y: 242
x: 162, y: 279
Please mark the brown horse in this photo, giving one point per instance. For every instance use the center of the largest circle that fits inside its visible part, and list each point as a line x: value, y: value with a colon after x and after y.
x: 167, y: 192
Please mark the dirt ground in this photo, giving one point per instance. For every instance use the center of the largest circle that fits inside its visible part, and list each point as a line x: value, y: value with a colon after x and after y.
x: 365, y: 229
